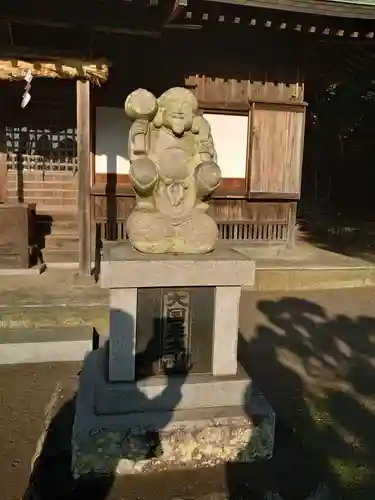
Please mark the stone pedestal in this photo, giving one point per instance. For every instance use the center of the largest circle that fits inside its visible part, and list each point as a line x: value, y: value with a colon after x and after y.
x: 165, y: 392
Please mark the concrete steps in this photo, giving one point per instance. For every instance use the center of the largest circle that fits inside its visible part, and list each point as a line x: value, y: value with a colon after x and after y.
x: 48, y: 190
x: 46, y: 203
x: 60, y: 230
x: 62, y: 242
x: 55, y: 256
x: 55, y: 195
x: 46, y: 193
x: 40, y: 176
x: 43, y: 185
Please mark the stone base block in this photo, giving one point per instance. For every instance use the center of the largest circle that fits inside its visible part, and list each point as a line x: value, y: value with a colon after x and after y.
x: 156, y: 440
x: 162, y: 393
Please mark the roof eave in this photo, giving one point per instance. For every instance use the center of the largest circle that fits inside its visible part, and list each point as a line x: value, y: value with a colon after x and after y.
x: 324, y: 8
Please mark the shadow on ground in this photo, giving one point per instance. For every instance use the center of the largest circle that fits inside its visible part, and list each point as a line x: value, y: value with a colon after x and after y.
x: 51, y: 477
x: 318, y: 373
x: 339, y: 234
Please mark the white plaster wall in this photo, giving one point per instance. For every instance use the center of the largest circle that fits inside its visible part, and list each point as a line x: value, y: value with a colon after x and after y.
x: 112, y: 132
x: 230, y: 137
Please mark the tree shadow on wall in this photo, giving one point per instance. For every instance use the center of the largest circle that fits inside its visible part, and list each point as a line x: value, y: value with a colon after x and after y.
x: 317, y: 371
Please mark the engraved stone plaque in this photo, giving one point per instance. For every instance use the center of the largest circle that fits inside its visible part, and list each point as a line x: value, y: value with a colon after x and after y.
x: 174, y: 331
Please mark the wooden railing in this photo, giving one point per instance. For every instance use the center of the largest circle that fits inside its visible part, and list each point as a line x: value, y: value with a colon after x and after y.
x: 239, y: 231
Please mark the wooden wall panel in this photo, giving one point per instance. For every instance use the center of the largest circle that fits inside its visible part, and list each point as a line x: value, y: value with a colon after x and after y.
x: 275, y: 151
x: 214, y: 91
x: 118, y: 208
x: 237, y: 220
x: 121, y: 185
x: 112, y: 207
x: 242, y: 210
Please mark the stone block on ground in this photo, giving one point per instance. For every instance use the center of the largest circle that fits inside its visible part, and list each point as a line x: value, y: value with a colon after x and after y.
x: 163, y: 440
x: 41, y: 345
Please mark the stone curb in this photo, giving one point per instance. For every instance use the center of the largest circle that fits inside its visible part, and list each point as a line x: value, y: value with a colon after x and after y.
x: 54, y: 317
x: 95, y: 313
x: 329, y: 278
x: 46, y: 345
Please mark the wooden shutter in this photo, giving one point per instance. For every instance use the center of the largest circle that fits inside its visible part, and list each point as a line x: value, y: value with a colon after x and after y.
x: 276, y: 136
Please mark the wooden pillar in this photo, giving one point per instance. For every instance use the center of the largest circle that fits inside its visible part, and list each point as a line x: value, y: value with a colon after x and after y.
x: 292, y: 225
x: 84, y: 176
x: 3, y: 165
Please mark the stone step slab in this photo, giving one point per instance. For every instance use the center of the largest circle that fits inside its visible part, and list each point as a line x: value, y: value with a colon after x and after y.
x: 58, y: 256
x: 42, y: 203
x: 61, y: 242
x: 42, y: 176
x: 46, y: 192
x: 45, y: 345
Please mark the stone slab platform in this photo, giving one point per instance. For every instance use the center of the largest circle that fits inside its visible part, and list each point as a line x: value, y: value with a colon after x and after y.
x: 124, y: 267
x: 45, y: 345
x: 161, y: 393
x: 160, y: 440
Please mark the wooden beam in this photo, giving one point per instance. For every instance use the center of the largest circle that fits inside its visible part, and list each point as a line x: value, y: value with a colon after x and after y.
x: 37, y: 53
x: 179, y: 6
x: 191, y: 27
x: 327, y: 8
x: 126, y: 31
x: 6, y: 35
x: 68, y: 25
x: 84, y: 179
x: 16, y: 69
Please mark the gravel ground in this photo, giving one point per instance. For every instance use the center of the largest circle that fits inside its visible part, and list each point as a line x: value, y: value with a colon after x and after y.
x: 25, y: 392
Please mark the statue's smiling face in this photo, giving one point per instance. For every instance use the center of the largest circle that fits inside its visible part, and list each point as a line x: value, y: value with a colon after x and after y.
x: 178, y: 116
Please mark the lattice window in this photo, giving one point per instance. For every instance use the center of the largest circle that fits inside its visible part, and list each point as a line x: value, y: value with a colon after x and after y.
x: 41, y: 149
x: 43, y: 135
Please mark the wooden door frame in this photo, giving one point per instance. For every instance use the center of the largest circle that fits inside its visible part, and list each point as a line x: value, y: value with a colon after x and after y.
x: 84, y: 175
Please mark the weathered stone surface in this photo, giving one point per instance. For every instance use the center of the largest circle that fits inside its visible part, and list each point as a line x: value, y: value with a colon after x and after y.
x: 234, y: 439
x: 122, y: 334
x: 158, y: 439
x: 160, y: 393
x: 173, y: 167
x: 123, y: 267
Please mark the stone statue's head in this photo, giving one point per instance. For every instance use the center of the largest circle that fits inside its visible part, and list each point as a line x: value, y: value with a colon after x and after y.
x: 177, y: 109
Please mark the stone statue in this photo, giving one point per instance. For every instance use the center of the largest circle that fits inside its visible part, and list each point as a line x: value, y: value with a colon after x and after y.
x: 173, y: 169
